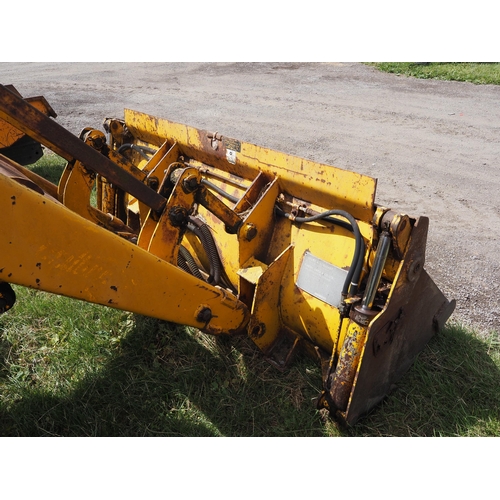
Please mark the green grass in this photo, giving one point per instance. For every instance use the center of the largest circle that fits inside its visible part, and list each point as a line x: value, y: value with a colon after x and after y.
x: 75, y: 369
x: 50, y: 166
x: 69, y: 368
x: 479, y: 73
x: 72, y: 368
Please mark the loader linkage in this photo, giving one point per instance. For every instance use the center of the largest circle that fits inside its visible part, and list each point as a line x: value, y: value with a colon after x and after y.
x: 203, y: 230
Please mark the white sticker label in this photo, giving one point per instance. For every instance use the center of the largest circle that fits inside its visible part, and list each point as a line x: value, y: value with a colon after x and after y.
x: 321, y: 279
x: 231, y: 156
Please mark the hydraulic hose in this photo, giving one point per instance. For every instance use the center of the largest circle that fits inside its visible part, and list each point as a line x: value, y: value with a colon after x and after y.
x: 203, y: 232
x: 181, y: 263
x: 376, y: 270
x: 352, y: 279
x: 186, y: 257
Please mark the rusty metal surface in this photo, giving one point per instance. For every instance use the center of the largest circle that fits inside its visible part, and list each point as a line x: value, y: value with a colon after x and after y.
x: 32, y: 122
x: 347, y: 365
x: 414, y: 312
x: 265, y: 325
x: 17, y: 145
x: 212, y: 203
x: 167, y: 236
x: 11, y: 136
x: 392, y: 346
x: 328, y: 186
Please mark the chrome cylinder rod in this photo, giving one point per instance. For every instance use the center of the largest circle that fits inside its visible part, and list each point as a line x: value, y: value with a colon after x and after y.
x: 376, y: 270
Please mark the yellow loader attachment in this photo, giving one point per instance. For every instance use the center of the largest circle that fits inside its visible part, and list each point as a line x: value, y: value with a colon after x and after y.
x: 200, y: 229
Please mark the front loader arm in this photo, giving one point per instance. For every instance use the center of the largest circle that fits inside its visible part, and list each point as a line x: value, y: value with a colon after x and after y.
x: 47, y: 247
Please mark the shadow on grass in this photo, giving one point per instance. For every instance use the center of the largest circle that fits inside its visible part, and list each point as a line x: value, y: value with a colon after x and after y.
x: 453, y: 389
x: 165, y: 380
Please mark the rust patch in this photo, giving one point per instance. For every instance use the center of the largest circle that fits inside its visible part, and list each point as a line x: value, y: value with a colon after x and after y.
x: 212, y: 143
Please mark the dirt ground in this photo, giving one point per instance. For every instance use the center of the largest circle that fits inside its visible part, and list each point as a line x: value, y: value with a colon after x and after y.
x: 433, y: 146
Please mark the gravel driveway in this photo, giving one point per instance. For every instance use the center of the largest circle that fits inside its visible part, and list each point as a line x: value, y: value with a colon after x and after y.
x: 433, y: 146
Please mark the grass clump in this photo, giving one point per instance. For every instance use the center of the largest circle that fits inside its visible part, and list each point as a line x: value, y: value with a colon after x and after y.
x: 473, y: 72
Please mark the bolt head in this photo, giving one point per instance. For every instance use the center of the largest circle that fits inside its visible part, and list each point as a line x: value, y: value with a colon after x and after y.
x: 249, y: 231
x: 204, y: 315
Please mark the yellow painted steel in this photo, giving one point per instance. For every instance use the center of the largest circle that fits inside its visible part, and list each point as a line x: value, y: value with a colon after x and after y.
x: 227, y: 236
x: 265, y: 259
x: 273, y: 174
x: 46, y: 246
x: 328, y: 186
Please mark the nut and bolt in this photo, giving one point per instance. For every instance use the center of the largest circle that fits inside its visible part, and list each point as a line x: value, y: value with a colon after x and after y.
x: 190, y: 183
x: 249, y: 231
x: 178, y: 216
x: 204, y: 315
x: 153, y: 183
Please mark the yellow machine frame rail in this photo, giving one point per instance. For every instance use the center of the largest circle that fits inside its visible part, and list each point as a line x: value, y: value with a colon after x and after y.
x: 204, y: 230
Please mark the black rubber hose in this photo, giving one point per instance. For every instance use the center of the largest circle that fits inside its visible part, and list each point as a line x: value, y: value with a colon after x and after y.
x: 181, y: 263
x: 359, y: 253
x: 191, y: 263
x: 213, y: 254
x: 146, y: 149
x: 352, y: 279
x: 205, y: 235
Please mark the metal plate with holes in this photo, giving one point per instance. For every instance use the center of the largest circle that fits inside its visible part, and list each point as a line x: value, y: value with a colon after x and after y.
x: 321, y: 279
